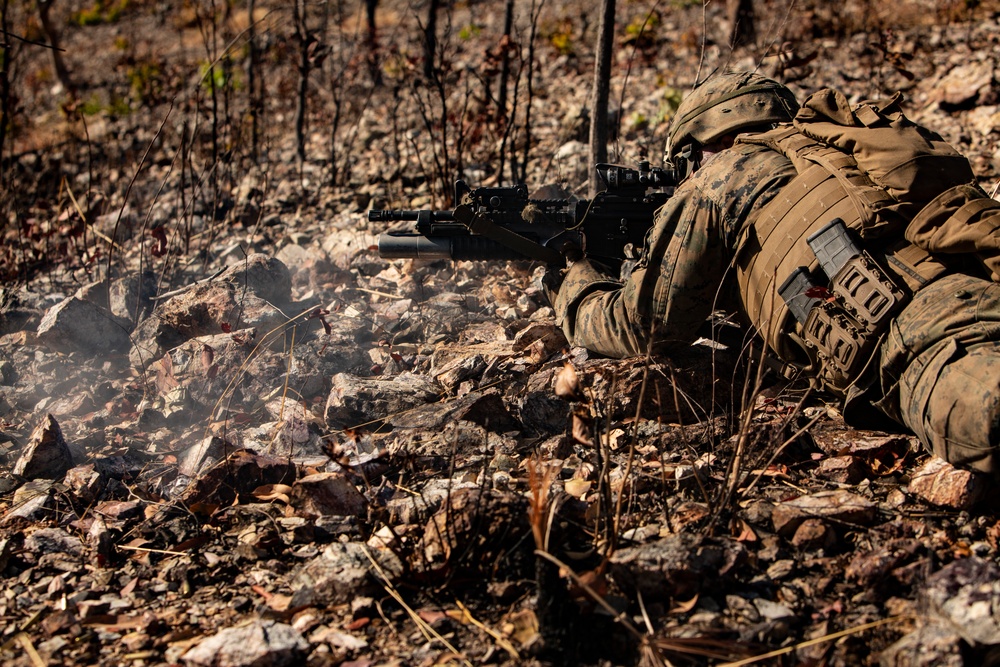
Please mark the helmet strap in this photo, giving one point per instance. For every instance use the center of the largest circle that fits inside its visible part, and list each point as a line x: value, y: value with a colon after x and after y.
x: 687, y: 161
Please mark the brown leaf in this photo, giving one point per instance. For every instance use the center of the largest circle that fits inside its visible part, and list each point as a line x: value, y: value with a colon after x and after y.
x: 159, y: 235
x: 192, y: 543
x: 581, y: 430
x: 594, y: 580
x: 204, y: 509
x: 568, y: 383
x: 128, y: 588
x: 432, y: 615
x: 742, y: 531
x: 685, y: 606
x: 273, y: 492
x: 165, y: 380
x: 207, y: 356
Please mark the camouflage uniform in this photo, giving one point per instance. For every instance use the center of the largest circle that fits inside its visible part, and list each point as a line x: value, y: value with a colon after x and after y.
x: 675, y: 286
x: 936, y: 371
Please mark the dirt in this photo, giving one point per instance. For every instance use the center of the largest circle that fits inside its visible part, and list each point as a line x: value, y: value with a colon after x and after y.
x: 335, y: 458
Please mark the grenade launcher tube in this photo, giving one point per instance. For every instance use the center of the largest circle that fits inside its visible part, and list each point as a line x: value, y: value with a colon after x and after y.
x: 402, y: 245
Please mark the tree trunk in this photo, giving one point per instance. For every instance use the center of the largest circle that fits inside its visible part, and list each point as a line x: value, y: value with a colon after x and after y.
x: 302, y: 33
x: 253, y: 73
x: 371, y: 42
x: 52, y: 34
x: 741, y: 23
x: 5, y: 94
x: 508, y: 26
x: 430, y: 38
x: 602, y: 92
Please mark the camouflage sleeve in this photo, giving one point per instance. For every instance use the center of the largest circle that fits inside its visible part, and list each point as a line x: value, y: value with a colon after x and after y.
x: 666, y: 298
x: 675, y: 286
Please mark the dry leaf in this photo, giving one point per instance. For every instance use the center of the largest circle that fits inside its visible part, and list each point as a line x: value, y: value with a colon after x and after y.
x: 743, y: 532
x: 164, y: 380
x: 568, y: 383
x: 432, y: 615
x: 273, y: 492
x: 207, y: 356
x: 129, y: 588
x: 587, y: 584
x: 578, y: 488
x: 522, y: 627
x: 581, y: 430
x: 686, y: 606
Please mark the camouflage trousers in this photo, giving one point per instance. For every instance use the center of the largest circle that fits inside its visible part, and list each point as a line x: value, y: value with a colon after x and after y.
x: 940, y: 370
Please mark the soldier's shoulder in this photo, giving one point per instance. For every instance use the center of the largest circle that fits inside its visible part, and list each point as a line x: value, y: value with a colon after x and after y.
x: 741, y: 162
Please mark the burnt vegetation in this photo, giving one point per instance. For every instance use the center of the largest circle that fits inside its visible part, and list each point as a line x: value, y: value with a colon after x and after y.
x: 231, y: 434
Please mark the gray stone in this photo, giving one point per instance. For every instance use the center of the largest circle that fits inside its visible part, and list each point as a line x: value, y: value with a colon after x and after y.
x: 679, y: 565
x: 308, y: 265
x: 839, y: 506
x: 78, y: 325
x: 207, y: 309
x: 483, y: 408
x: 202, y: 455
x: 85, y: 481
x: 966, y: 595
x: 338, y: 575
x: 327, y: 493
x: 263, y: 276
x: 940, y: 483
x: 53, y: 540
x: 405, y: 508
x: 46, y: 456
x: 257, y: 644
x: 31, y: 502
x: 931, y: 645
x: 965, y: 83
x: 772, y: 611
x: 354, y: 400
x: 131, y: 295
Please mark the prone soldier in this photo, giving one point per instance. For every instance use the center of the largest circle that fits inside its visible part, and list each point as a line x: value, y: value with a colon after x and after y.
x: 854, y: 241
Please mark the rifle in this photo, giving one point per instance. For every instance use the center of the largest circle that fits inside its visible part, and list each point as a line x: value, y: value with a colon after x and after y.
x: 503, y: 223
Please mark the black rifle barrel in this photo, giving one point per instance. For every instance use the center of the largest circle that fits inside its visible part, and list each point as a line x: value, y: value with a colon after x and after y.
x: 401, y: 245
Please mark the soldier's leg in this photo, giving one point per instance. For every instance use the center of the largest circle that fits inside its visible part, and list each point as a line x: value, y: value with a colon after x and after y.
x: 940, y: 367
x: 950, y: 397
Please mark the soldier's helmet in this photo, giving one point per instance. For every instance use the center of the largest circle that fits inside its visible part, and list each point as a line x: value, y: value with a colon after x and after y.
x: 724, y: 104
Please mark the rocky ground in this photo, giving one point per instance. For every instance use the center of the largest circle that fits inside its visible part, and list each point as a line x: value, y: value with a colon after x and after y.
x: 232, y: 434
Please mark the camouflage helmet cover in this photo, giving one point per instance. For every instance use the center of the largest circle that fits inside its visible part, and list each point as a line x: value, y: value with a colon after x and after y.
x: 728, y: 104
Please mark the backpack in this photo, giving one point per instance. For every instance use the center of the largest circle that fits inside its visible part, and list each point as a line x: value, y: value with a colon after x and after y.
x: 871, y: 169
x: 911, y: 163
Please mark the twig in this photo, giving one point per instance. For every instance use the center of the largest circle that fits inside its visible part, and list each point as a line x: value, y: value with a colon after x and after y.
x: 376, y: 293
x: 284, y: 396
x: 425, y: 628
x: 165, y: 552
x: 29, y: 648
x: 812, y: 642
x: 620, y: 617
x: 29, y: 41
x: 191, y: 286
x: 97, y: 232
x: 500, y: 639
x: 131, y: 184
x: 780, y: 449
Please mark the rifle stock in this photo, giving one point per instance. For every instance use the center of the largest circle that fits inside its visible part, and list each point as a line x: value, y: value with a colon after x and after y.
x: 504, y: 224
